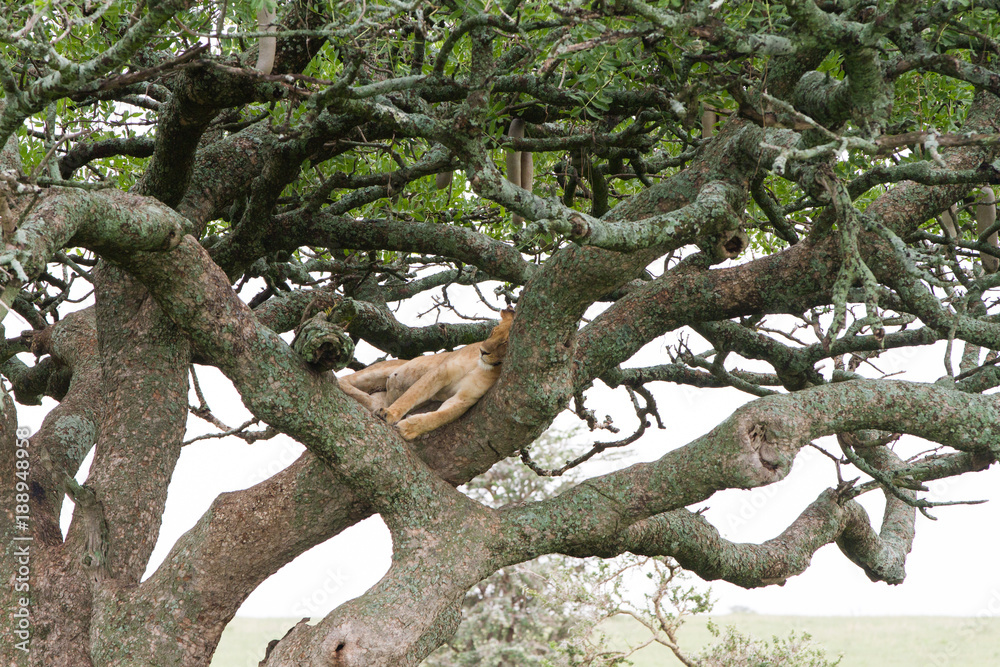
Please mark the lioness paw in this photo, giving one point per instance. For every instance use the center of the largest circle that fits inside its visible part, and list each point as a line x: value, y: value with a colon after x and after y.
x: 408, y: 429
x: 389, y: 415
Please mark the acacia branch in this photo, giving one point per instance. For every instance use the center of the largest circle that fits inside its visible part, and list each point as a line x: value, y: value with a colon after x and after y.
x: 787, y: 282
x: 69, y: 430
x: 697, y: 545
x: 66, y: 77
x: 82, y: 154
x: 753, y: 447
x: 882, y: 556
x: 498, y: 259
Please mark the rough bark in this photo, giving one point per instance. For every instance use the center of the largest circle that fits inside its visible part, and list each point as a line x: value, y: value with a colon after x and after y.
x: 315, y: 189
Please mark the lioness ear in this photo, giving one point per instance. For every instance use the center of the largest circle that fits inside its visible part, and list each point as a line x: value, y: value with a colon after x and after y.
x: 506, y: 314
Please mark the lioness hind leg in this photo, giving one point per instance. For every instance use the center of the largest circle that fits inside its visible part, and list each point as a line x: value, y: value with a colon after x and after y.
x: 417, y: 394
x: 368, y: 383
x: 361, y: 397
x: 377, y: 401
x: 374, y: 377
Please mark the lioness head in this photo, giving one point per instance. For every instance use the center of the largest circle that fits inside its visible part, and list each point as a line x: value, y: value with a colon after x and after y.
x: 494, y: 349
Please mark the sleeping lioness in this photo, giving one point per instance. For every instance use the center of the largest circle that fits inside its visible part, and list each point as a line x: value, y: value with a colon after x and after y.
x: 392, y: 389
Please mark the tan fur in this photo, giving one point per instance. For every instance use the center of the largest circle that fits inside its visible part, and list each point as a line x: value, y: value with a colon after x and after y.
x: 460, y: 378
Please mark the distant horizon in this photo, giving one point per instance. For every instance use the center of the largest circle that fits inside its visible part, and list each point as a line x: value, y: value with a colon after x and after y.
x: 862, y: 641
x: 296, y: 619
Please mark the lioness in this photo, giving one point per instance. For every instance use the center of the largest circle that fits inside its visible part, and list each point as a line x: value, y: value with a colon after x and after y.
x: 393, y: 388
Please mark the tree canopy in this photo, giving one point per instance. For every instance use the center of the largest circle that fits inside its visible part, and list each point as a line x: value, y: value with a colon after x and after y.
x: 800, y: 185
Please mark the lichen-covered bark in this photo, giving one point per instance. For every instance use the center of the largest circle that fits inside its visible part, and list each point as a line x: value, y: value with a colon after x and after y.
x: 144, y: 372
x: 697, y: 545
x: 52, y: 580
x: 9, y: 529
x: 70, y: 429
x: 323, y: 193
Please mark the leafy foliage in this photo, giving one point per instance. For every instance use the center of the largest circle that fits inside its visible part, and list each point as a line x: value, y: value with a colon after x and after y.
x: 737, y: 650
x: 765, y: 182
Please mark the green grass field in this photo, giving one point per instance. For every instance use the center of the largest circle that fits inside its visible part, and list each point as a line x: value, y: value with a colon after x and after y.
x: 901, y: 641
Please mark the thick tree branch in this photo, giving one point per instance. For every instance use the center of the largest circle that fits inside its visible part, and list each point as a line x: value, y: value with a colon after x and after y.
x: 69, y: 431
x: 495, y: 258
x: 697, y: 545
x: 82, y: 154
x: 103, y: 221
x: 753, y: 447
x: 144, y: 369
x: 883, y: 555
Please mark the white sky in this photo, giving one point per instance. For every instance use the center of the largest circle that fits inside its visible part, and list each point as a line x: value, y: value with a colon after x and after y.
x: 951, y: 570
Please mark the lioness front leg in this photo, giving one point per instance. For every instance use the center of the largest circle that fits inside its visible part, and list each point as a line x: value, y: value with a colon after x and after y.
x: 416, y: 425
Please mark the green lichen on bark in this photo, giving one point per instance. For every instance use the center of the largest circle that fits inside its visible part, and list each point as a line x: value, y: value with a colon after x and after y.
x: 265, y: 194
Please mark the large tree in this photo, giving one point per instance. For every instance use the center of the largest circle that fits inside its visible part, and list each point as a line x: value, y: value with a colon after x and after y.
x: 766, y: 174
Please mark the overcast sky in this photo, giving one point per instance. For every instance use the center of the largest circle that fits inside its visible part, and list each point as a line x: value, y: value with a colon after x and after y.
x: 951, y: 570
